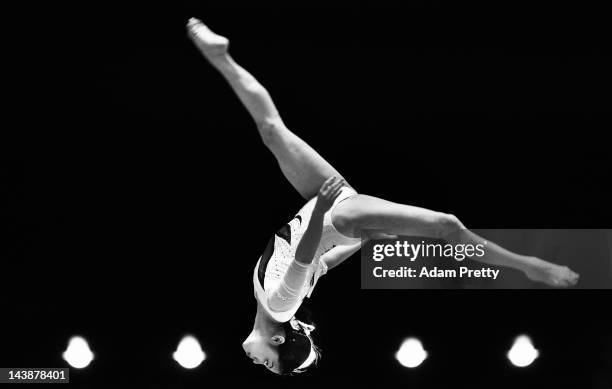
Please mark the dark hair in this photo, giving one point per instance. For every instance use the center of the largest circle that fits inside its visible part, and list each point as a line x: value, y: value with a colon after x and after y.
x: 297, y: 347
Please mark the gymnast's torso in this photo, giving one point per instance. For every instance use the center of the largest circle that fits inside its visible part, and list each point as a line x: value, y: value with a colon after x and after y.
x: 276, y: 264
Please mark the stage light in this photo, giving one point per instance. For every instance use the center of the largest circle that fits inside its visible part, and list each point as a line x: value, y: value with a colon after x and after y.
x: 78, y: 354
x: 411, y: 353
x: 189, y: 353
x: 522, y: 353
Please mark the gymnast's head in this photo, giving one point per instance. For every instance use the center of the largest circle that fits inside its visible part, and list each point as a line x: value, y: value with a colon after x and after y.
x: 283, y: 348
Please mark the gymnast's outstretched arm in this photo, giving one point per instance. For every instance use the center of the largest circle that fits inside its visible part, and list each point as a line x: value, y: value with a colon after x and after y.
x: 330, y: 190
x: 286, y: 294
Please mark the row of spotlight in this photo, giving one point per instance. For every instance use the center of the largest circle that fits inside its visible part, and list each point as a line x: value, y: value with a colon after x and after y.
x: 522, y: 353
x: 189, y: 353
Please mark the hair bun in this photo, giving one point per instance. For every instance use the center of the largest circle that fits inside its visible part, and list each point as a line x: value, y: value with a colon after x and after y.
x: 307, y: 328
x: 298, y: 352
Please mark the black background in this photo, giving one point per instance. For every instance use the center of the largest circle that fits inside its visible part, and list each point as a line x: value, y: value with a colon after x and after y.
x: 137, y: 195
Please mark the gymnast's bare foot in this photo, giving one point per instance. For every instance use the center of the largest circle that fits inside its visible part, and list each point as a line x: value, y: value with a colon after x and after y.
x: 552, y: 275
x: 210, y: 44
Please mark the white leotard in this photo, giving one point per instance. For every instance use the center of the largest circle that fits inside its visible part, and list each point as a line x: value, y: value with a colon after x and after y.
x: 280, y: 282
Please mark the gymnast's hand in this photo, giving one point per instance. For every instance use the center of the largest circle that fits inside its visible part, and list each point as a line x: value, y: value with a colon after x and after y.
x: 329, y: 192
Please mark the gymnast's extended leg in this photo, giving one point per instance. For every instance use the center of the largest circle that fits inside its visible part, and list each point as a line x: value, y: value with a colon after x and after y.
x: 300, y: 163
x: 307, y: 170
x: 368, y: 213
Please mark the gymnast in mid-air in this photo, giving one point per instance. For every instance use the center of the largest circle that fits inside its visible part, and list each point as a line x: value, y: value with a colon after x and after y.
x: 328, y: 228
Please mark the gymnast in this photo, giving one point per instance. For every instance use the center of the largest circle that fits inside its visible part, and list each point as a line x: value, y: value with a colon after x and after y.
x: 328, y: 228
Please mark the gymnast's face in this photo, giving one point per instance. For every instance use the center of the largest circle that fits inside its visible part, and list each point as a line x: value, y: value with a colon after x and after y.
x: 263, y: 350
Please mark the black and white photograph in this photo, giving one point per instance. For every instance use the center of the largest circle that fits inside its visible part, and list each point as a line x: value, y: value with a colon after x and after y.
x: 391, y: 194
